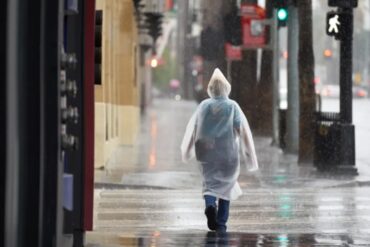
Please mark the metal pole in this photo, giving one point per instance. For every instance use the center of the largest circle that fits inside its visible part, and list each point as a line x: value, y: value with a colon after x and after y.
x: 181, y: 36
x: 12, y: 222
x: 275, y: 75
x: 292, y: 123
x: 229, y: 70
x: 346, y: 70
x: 3, y: 149
x: 345, y: 133
x: 179, y: 46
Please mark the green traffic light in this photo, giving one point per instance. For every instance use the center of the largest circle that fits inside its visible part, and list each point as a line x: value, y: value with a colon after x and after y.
x: 282, y: 14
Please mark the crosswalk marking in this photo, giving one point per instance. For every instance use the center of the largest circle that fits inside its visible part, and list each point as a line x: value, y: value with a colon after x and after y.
x: 260, y: 210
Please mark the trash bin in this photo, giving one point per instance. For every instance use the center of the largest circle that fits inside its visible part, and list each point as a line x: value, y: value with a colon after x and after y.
x: 326, y: 140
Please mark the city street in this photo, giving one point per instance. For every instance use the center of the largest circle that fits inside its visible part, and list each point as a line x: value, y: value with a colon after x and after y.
x: 147, y: 197
x: 96, y: 100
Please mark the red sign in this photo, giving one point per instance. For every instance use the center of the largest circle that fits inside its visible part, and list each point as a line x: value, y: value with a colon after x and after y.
x: 233, y: 52
x: 169, y: 5
x: 253, y: 27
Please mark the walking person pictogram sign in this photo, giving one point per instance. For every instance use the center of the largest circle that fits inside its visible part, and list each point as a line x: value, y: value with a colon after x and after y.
x: 337, y: 24
x: 334, y: 24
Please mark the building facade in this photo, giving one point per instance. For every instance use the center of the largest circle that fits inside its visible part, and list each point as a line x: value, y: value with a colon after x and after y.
x: 117, y: 98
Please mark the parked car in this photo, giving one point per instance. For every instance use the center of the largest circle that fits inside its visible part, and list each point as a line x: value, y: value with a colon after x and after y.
x: 330, y: 91
x: 359, y: 92
x: 333, y: 91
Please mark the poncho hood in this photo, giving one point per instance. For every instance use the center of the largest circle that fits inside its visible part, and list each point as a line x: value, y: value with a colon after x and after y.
x: 218, y: 85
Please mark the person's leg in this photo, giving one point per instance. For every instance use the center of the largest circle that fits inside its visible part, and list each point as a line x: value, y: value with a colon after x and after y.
x: 222, y: 214
x: 210, y: 200
x: 211, y: 211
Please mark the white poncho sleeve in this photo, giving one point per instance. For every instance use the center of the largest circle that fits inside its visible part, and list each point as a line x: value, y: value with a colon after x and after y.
x: 187, y: 145
x: 248, y: 151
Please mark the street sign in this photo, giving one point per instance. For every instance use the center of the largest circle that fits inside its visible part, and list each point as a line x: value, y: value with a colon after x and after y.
x: 343, y: 3
x: 253, y: 26
x: 337, y: 24
x: 257, y: 28
x: 333, y: 24
x: 233, y: 53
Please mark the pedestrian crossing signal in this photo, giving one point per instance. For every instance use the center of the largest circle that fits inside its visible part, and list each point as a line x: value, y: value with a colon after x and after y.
x: 338, y: 24
x: 343, y: 3
x: 333, y: 24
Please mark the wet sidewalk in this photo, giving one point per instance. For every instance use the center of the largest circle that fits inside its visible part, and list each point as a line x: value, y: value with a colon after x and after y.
x: 155, y: 160
x: 147, y: 197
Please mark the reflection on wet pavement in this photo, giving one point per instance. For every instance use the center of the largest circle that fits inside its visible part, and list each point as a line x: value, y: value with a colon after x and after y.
x: 156, y: 239
x: 153, y: 139
x: 157, y: 150
x: 262, y: 217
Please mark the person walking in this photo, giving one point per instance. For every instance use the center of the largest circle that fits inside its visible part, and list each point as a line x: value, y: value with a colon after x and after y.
x: 219, y: 136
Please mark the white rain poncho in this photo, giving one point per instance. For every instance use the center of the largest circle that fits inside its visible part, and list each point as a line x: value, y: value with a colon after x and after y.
x: 218, y: 134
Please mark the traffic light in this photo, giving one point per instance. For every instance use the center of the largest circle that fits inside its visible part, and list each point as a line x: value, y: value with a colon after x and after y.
x: 343, y: 3
x: 282, y: 15
x: 98, y: 46
x: 282, y: 11
x: 280, y: 4
x: 154, y: 62
x: 211, y: 43
x: 233, y: 28
x: 154, y: 24
x: 338, y: 24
